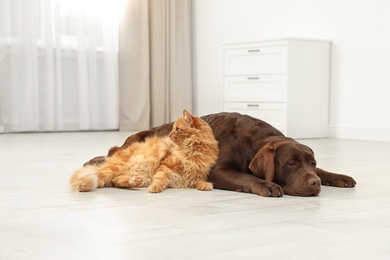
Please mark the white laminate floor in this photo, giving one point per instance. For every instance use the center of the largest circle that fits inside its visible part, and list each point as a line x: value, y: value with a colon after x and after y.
x: 41, y: 218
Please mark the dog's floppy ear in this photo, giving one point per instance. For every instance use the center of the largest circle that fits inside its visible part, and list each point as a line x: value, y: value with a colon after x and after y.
x: 262, y: 164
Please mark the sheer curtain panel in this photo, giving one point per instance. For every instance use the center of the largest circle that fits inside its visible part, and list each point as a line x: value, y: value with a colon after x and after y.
x: 58, y: 65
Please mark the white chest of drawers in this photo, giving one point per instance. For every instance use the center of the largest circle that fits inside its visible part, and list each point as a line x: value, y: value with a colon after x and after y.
x: 283, y: 82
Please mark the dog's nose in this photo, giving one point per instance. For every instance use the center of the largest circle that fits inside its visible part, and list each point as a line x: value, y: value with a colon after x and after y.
x: 314, y: 182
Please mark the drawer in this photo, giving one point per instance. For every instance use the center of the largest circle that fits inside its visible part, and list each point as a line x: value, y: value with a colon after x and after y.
x: 255, y: 60
x: 274, y: 114
x: 269, y: 88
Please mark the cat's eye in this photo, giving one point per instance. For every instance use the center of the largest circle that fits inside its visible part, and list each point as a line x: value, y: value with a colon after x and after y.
x: 177, y: 128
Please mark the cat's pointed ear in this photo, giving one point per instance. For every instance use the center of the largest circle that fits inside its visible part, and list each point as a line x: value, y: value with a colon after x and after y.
x: 188, y: 117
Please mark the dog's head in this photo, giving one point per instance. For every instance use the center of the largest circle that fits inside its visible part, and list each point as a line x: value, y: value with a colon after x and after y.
x: 288, y: 163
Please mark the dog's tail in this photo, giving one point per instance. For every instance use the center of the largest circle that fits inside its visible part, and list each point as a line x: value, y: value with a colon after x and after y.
x: 85, y: 179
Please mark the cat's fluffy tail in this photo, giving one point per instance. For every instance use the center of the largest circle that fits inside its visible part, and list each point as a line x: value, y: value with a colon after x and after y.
x: 85, y: 179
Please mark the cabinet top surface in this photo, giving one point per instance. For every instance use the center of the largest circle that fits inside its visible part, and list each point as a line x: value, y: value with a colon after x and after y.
x: 277, y: 40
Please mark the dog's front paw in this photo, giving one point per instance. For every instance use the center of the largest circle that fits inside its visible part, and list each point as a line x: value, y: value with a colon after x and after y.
x: 339, y: 180
x: 267, y: 189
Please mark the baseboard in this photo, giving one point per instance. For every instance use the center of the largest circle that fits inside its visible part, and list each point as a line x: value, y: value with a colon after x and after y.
x: 359, y: 133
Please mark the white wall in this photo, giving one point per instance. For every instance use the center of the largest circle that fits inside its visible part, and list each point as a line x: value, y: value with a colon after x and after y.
x: 360, y: 61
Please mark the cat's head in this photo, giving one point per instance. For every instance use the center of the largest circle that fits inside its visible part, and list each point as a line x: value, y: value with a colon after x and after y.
x: 187, y: 126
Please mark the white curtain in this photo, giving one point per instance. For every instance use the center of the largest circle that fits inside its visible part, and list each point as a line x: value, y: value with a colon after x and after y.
x: 58, y: 65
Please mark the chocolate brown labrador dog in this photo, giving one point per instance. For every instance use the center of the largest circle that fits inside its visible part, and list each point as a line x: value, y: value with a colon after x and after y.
x: 256, y: 158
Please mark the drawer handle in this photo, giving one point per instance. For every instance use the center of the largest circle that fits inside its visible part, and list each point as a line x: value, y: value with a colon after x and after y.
x: 254, y: 50
x: 253, y: 78
x: 252, y: 105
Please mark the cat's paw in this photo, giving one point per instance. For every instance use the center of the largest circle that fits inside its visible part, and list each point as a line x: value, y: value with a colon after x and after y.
x: 135, y: 181
x: 154, y: 188
x: 84, y: 180
x: 204, y: 185
x: 85, y: 187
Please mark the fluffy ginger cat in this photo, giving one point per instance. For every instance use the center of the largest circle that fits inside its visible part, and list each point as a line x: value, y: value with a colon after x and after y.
x: 182, y: 159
